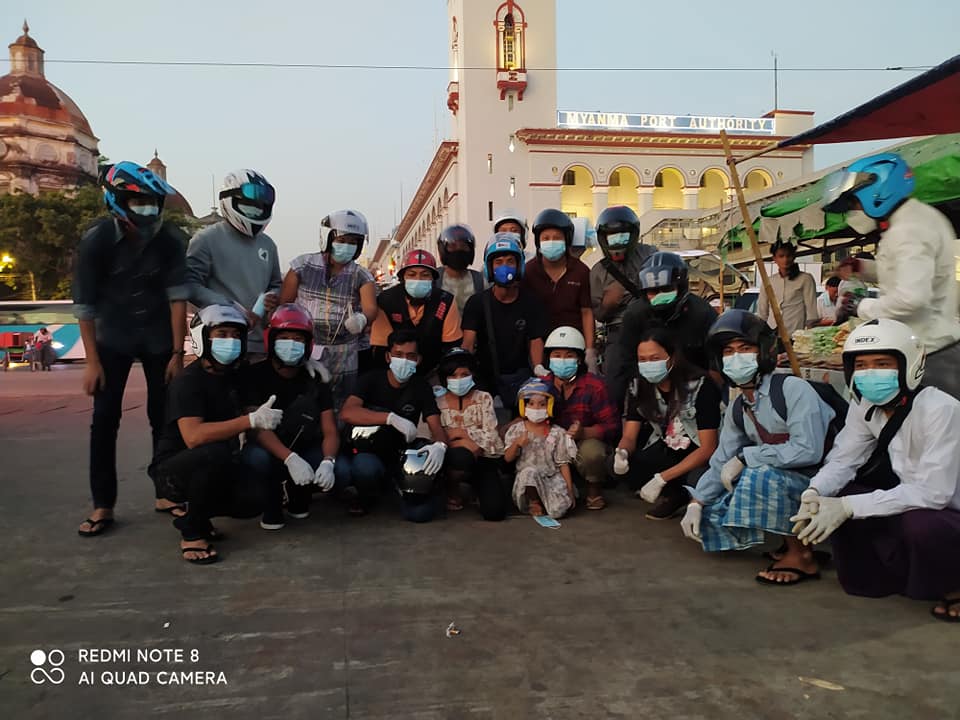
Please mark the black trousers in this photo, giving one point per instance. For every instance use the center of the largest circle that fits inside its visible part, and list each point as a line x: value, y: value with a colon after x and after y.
x: 460, y: 465
x: 214, y: 483
x: 647, y: 462
x: 107, y: 409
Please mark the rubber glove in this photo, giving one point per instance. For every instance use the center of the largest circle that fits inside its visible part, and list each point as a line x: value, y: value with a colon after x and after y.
x: 402, y: 426
x: 831, y: 514
x: 362, y: 432
x: 324, y: 476
x: 265, y: 417
x: 621, y: 462
x: 315, y: 368
x: 809, y: 504
x: 355, y: 323
x: 690, y: 522
x: 540, y: 371
x: 435, y: 454
x: 300, y: 471
x: 731, y: 472
x: 592, y: 364
x: 652, y: 489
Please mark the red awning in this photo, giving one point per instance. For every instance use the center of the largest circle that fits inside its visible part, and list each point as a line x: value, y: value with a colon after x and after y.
x: 929, y: 104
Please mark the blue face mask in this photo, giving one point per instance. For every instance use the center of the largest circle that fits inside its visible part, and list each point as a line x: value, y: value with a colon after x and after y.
x: 564, y: 368
x: 402, y: 368
x: 290, y: 352
x: 504, y: 275
x: 664, y: 298
x: 740, y: 368
x: 553, y: 249
x: 877, y: 386
x: 460, y: 386
x: 343, y: 252
x: 653, y: 371
x: 225, y: 350
x: 418, y: 289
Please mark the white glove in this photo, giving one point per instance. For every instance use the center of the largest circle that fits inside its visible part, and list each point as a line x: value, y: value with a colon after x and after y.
x: 265, y: 417
x: 435, y: 454
x: 300, y: 471
x: 621, y: 462
x: 831, y: 514
x: 324, y: 475
x: 315, y: 368
x: 731, y: 472
x: 355, y: 323
x: 690, y: 523
x: 402, y: 426
x: 540, y: 371
x: 652, y: 489
x: 592, y: 364
x: 809, y: 505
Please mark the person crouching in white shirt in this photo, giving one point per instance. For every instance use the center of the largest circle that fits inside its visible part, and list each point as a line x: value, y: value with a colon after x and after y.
x: 889, y: 494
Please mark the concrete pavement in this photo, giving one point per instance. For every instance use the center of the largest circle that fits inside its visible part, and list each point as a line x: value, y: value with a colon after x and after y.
x: 611, y: 616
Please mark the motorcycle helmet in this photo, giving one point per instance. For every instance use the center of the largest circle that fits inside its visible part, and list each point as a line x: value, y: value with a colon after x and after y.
x: 555, y: 219
x: 503, y: 244
x: 665, y: 271
x: 417, y: 488
x: 418, y: 258
x: 890, y: 337
x: 214, y: 316
x: 511, y: 215
x: 246, y: 201
x: 743, y: 325
x: 124, y: 181
x: 340, y: 223
x: 618, y: 232
x: 880, y: 182
x: 535, y: 386
x: 289, y: 316
x: 457, y: 259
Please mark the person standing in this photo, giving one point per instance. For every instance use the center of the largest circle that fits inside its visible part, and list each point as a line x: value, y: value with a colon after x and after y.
x: 129, y: 295
x: 234, y: 261
x: 43, y: 348
x: 339, y: 294
x: 795, y: 290
x: 457, y: 251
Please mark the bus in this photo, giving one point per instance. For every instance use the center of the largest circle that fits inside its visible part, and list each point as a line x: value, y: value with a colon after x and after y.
x: 20, y: 316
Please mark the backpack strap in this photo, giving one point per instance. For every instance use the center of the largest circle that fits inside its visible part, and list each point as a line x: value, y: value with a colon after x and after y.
x: 491, y: 338
x: 737, y: 411
x: 777, y: 398
x: 477, y: 281
x: 877, y: 471
x: 611, y: 267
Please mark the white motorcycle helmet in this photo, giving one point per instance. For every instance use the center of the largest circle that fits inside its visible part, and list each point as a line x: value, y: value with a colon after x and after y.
x: 888, y: 337
x: 211, y: 317
x: 565, y: 338
x: 511, y: 215
x: 343, y: 222
x: 246, y: 201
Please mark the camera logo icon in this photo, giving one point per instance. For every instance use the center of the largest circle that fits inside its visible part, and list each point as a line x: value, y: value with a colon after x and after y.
x: 40, y: 673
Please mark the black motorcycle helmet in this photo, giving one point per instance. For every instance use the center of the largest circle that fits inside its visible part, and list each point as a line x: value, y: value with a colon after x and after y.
x: 743, y: 325
x: 456, y: 259
x: 556, y: 219
x: 665, y: 270
x: 617, y: 219
x: 456, y: 358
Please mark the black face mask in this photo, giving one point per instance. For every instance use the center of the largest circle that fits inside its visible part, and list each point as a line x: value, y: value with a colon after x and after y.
x: 458, y: 260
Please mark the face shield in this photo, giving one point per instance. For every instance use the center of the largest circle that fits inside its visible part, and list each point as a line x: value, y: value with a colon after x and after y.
x: 839, y: 187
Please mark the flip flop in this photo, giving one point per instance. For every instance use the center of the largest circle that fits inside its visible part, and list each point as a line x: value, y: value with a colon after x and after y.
x: 596, y: 503
x: 945, y: 616
x: 801, y: 576
x: 182, y: 507
x: 208, y: 560
x: 97, y: 527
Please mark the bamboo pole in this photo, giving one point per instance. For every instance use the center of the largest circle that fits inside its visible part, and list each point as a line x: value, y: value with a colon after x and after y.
x: 761, y: 267
x: 756, y: 153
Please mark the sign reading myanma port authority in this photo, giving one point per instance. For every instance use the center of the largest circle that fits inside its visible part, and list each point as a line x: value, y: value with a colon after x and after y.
x: 664, y: 123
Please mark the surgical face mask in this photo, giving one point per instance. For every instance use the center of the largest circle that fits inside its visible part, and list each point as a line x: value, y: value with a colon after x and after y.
x: 564, y: 368
x: 618, y: 240
x: 402, y: 368
x: 254, y: 212
x: 460, y: 386
x: 860, y: 221
x: 458, y: 260
x: 225, y: 350
x: 503, y: 275
x: 740, y: 367
x: 418, y: 289
x: 145, y: 210
x: 535, y: 415
x: 664, y: 298
x: 878, y: 386
x: 553, y: 249
x: 289, y: 351
x: 653, y: 371
x: 343, y: 252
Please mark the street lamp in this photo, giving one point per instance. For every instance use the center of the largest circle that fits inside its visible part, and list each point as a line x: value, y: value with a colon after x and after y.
x: 6, y: 260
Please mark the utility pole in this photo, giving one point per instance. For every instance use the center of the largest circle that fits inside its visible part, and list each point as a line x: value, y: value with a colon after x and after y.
x: 776, y: 89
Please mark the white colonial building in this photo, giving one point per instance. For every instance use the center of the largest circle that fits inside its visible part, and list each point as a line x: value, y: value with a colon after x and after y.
x: 512, y: 148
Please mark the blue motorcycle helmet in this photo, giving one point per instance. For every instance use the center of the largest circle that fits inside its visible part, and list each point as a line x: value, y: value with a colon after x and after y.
x: 125, y: 181
x: 503, y: 244
x: 879, y: 182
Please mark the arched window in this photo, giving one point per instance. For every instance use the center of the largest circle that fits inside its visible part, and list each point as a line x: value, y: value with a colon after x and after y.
x: 510, y: 25
x: 570, y: 177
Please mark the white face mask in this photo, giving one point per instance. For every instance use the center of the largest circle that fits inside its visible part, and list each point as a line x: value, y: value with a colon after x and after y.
x: 535, y: 415
x: 860, y: 221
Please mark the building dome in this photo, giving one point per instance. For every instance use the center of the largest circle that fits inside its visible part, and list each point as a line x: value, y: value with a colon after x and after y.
x: 173, y: 202
x: 46, y: 142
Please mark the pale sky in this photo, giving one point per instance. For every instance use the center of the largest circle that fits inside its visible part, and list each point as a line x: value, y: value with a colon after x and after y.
x: 331, y: 139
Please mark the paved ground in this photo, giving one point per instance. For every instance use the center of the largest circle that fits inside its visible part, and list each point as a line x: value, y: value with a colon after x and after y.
x: 611, y: 616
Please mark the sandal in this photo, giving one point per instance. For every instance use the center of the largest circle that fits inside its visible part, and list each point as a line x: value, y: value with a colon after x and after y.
x: 535, y: 508
x: 801, y: 576
x: 209, y: 559
x: 946, y: 604
x: 454, y: 504
x: 178, y: 510
x: 822, y: 557
x: 596, y: 503
x: 97, y: 527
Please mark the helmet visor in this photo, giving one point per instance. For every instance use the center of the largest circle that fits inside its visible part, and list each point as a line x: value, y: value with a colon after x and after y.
x: 839, y: 187
x: 656, y: 279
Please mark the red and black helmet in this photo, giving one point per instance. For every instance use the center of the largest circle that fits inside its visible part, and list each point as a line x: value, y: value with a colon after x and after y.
x: 289, y: 316
x: 418, y: 258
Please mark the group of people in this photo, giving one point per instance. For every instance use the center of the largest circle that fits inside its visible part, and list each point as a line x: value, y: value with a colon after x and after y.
x: 457, y: 386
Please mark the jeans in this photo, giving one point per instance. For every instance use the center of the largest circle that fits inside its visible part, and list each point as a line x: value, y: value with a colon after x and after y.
x: 368, y: 474
x: 214, y: 483
x: 107, y: 409
x: 272, y: 474
x: 460, y: 465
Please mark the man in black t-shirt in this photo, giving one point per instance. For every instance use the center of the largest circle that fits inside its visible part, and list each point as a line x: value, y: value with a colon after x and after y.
x: 518, y: 323
x: 198, y: 451
x: 384, y: 411
x: 301, y: 452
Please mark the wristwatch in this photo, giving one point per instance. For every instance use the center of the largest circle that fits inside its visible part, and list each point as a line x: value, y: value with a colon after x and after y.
x: 333, y: 460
